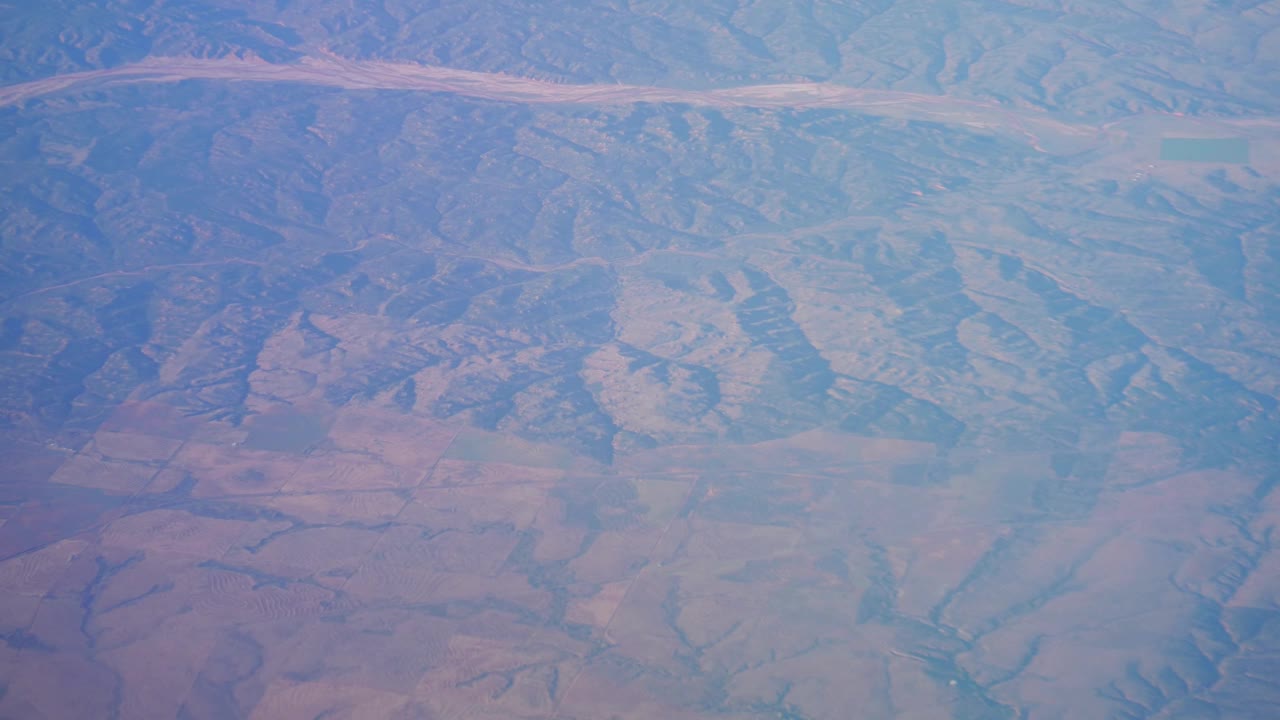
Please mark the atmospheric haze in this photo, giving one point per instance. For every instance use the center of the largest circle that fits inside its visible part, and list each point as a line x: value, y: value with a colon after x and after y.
x: 637, y: 360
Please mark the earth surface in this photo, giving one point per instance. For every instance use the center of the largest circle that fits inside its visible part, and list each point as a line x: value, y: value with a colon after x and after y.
x: 635, y: 359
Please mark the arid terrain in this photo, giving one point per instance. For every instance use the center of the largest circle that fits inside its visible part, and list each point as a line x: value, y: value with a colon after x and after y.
x: 391, y: 566
x: 764, y: 360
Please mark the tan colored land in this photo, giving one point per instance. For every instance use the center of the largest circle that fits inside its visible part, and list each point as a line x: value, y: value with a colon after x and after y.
x: 363, y: 558
x: 341, y: 591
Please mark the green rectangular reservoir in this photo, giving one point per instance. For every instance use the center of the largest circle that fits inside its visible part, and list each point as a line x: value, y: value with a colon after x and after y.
x: 1222, y: 150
